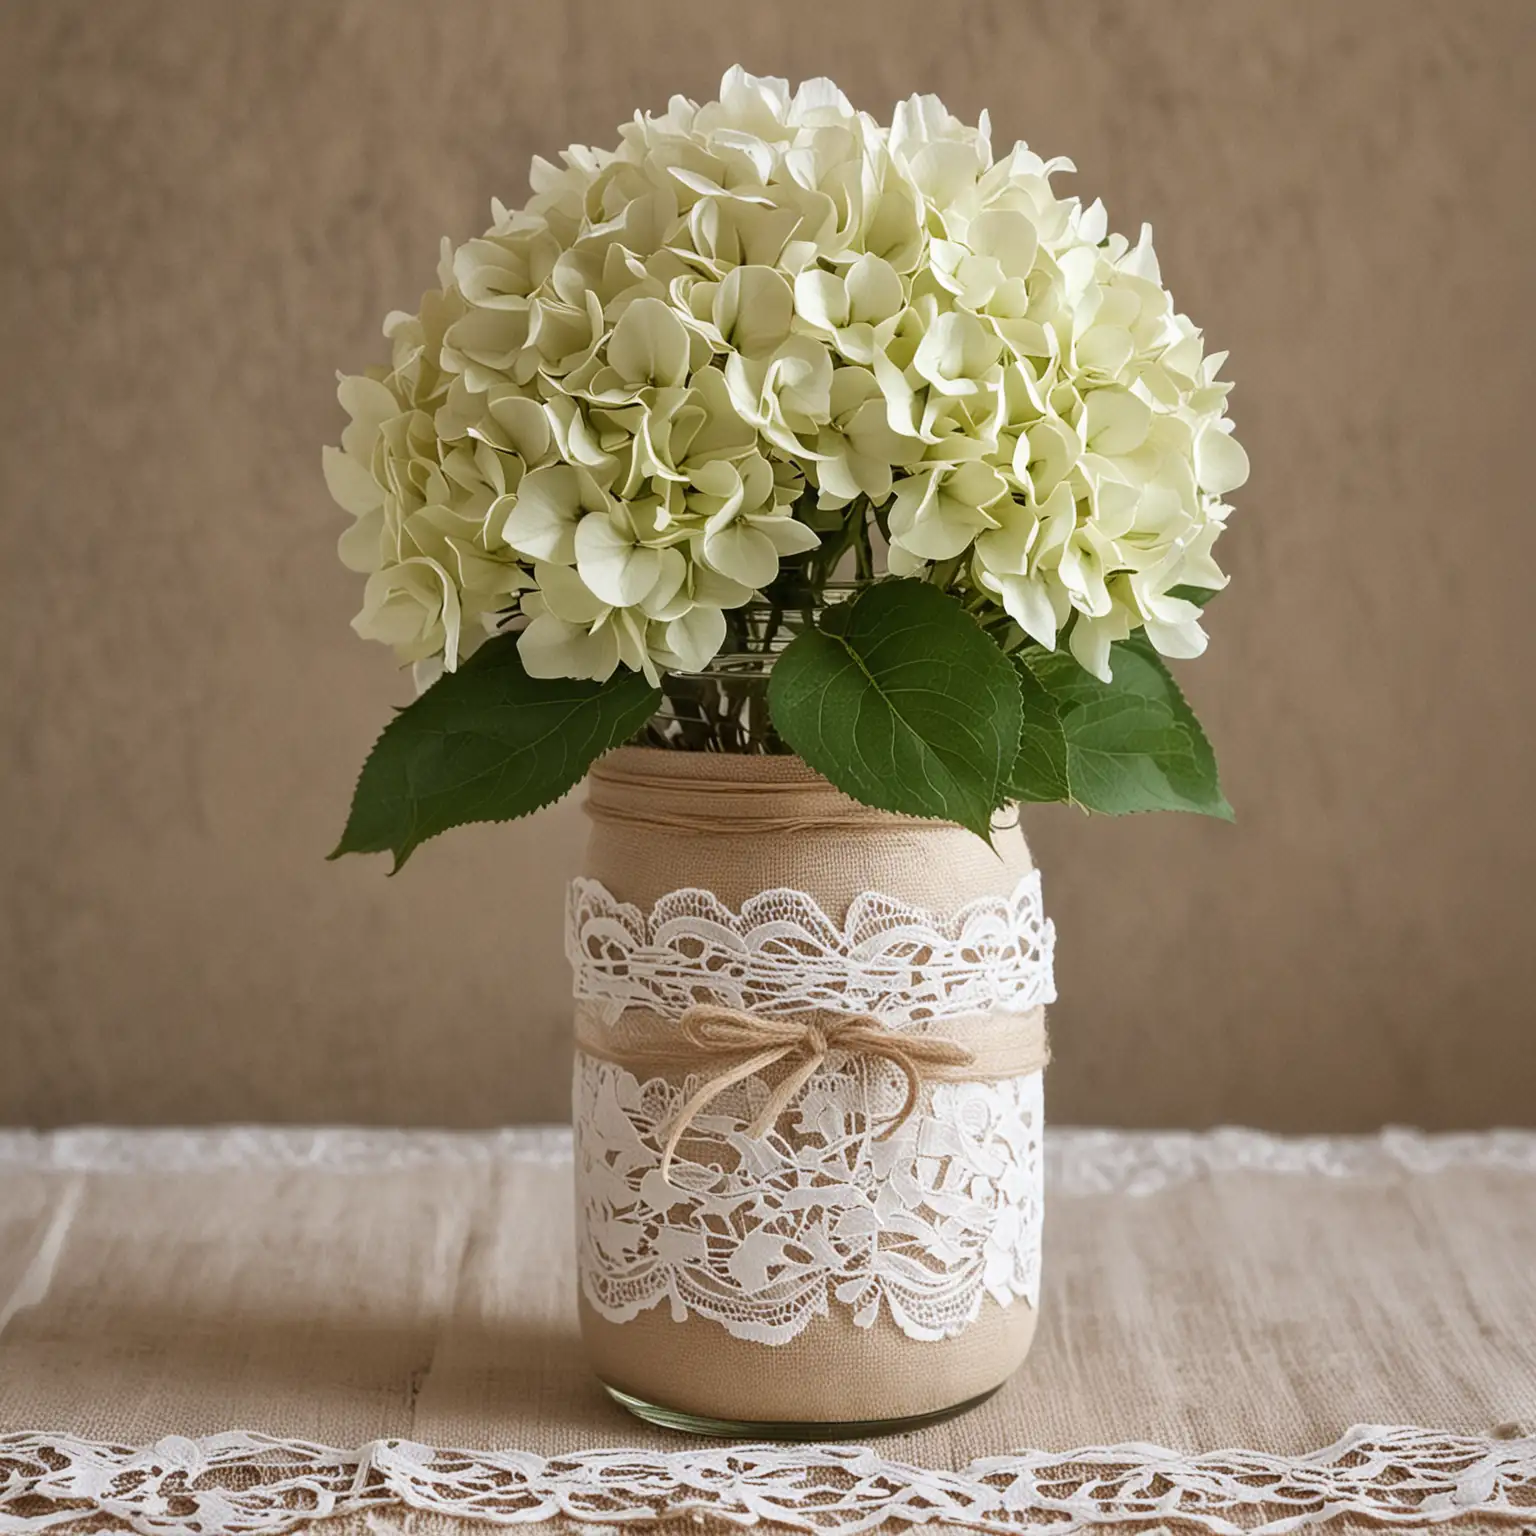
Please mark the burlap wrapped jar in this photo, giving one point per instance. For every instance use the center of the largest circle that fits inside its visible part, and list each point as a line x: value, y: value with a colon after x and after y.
x: 694, y: 1308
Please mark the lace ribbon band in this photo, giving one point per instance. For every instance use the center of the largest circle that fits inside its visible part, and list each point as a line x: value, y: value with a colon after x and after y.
x: 782, y: 954
x: 995, y: 1047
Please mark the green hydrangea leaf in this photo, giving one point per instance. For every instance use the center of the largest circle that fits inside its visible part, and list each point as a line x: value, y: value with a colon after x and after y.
x: 1132, y: 744
x: 1199, y: 596
x: 486, y: 743
x: 1039, y: 772
x: 902, y: 701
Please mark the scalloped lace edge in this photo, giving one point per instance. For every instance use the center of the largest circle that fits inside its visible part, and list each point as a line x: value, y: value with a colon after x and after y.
x: 242, y: 1484
x: 1079, y: 1161
x: 782, y: 952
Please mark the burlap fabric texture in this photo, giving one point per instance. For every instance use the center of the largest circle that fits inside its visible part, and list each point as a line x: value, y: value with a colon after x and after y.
x: 737, y: 826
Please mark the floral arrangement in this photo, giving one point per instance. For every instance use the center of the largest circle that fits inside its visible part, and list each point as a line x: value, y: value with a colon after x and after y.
x: 777, y: 429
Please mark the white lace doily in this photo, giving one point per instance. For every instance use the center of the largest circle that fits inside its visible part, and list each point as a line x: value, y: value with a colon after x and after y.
x: 1079, y: 1160
x: 764, y: 1234
x: 782, y: 954
x: 252, y: 1485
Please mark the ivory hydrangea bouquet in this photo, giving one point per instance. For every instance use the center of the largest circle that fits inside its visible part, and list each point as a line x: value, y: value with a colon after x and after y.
x: 647, y: 419
x: 816, y: 489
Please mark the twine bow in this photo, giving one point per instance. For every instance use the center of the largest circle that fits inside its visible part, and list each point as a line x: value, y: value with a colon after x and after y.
x: 761, y: 1042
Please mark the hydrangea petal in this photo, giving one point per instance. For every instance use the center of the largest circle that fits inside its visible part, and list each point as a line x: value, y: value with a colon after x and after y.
x: 1221, y: 465
x: 618, y: 570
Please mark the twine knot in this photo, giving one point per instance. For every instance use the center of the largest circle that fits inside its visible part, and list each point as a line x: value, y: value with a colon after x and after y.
x: 759, y: 1041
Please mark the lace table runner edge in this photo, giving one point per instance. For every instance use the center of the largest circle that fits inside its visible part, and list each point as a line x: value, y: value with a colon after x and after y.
x: 242, y: 1484
x: 1079, y: 1160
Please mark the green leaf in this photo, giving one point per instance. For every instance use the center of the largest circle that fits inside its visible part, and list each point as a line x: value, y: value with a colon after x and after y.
x: 904, y: 703
x: 1199, y: 596
x: 486, y: 743
x: 1132, y: 744
x: 1039, y: 772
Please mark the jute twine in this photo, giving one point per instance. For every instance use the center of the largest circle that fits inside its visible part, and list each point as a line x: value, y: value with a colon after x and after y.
x: 722, y: 806
x: 738, y: 1045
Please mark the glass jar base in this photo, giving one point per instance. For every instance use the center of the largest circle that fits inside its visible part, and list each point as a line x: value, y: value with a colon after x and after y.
x: 754, y: 1429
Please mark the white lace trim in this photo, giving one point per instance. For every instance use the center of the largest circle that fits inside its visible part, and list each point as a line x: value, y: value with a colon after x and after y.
x: 783, y: 954
x: 1084, y: 1161
x: 249, y: 1485
x: 325, y: 1149
x: 1078, y: 1160
x: 764, y: 1234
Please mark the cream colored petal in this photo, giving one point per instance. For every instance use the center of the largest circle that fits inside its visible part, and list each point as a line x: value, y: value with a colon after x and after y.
x: 1115, y: 506
x: 975, y: 485
x: 493, y: 338
x: 695, y: 638
x: 902, y: 408
x: 649, y: 345
x: 945, y: 172
x: 1105, y: 349
x: 1182, y: 642
x: 801, y: 375
x: 742, y: 553
x: 1090, y: 642
x: 541, y: 519
x: 893, y: 226
x: 1048, y: 449
x: 666, y: 591
x: 1116, y: 421
x: 753, y: 309
x: 1027, y: 601
x: 928, y: 523
x: 821, y: 300
x: 957, y: 354
x: 1081, y: 572
x: 1008, y: 237
x: 1221, y: 465
x: 350, y: 483
x: 526, y: 427
x: 1005, y: 550
x: 361, y: 547
x: 1058, y: 521
x: 577, y: 441
x: 901, y: 562
x: 1196, y: 565
x: 851, y: 389
x: 711, y: 588
x: 616, y: 569
x: 757, y: 482
x: 722, y: 433
x: 874, y: 289
x: 630, y: 633
x: 426, y: 672
x: 549, y: 647
x: 722, y: 491
x: 788, y: 535
x: 413, y: 606
x: 914, y: 496
x: 836, y: 481
x: 563, y: 593
x: 368, y: 402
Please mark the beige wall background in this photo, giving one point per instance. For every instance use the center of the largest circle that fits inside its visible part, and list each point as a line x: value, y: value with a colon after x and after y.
x: 208, y: 208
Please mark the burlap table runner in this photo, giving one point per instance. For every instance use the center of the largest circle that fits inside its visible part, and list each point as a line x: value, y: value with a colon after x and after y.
x: 338, y: 1289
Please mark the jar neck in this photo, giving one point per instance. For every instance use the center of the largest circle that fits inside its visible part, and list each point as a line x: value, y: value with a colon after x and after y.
x: 760, y: 631
x: 724, y: 707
